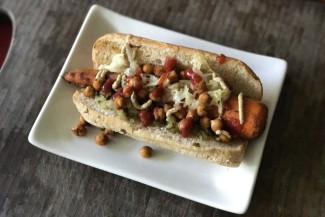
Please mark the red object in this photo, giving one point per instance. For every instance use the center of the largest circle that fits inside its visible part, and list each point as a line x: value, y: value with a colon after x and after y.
x: 162, y: 79
x: 138, y: 72
x: 221, y: 59
x: 158, y: 91
x: 135, y: 82
x: 119, y: 92
x: 5, y: 36
x: 190, y: 74
x: 170, y: 64
x: 107, y: 87
x: 185, y: 126
x: 146, y: 117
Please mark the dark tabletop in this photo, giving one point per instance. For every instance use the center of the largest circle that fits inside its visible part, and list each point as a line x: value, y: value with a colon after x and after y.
x: 291, y: 179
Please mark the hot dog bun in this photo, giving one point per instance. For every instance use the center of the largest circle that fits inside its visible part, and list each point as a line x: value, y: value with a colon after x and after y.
x: 225, y: 154
x: 234, y: 72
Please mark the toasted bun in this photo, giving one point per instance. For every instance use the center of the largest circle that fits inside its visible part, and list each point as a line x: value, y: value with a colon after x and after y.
x: 234, y: 72
x: 225, y: 154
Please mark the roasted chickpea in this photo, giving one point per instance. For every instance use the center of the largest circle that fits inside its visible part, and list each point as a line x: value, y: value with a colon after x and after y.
x: 172, y: 77
x: 146, y: 151
x: 157, y: 93
x: 143, y: 93
x: 192, y: 114
x: 146, y: 117
x: 167, y: 107
x: 148, y: 68
x: 127, y: 91
x: 159, y: 113
x: 159, y: 70
x: 98, y: 83
x: 89, y: 91
x: 180, y: 114
x: 216, y: 124
x: 79, y: 129
x: 136, y: 83
x: 204, y: 98
x: 223, y: 137
x: 205, y: 122
x: 201, y: 111
x: 101, y: 139
x: 185, y: 126
x: 119, y: 102
x: 201, y: 87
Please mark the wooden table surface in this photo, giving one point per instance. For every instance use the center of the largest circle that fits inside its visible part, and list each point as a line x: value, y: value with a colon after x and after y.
x: 291, y: 179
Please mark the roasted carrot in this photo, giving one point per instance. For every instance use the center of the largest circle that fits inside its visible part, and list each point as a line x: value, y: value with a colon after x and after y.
x: 81, y: 77
x: 255, y: 112
x: 255, y: 116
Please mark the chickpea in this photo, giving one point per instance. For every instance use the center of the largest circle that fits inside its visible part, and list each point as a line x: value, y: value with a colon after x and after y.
x: 201, y: 87
x: 204, y: 98
x: 201, y: 111
x: 192, y: 114
x: 224, y: 138
x: 157, y: 93
x: 147, y: 68
x: 159, y: 113
x: 159, y: 70
x: 146, y: 151
x: 98, y: 83
x: 119, y: 102
x: 172, y: 77
x: 101, y: 139
x: 216, y: 124
x: 205, y: 122
x: 127, y: 91
x: 167, y: 107
x: 185, y: 126
x: 89, y: 91
x: 79, y: 129
x: 181, y: 113
x: 136, y: 83
x: 143, y: 93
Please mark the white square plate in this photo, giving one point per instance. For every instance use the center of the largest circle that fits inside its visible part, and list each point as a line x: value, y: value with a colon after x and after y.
x: 224, y: 188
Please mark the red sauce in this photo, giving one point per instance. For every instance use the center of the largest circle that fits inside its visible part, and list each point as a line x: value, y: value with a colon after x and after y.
x: 135, y: 82
x: 162, y: 79
x: 119, y: 92
x: 170, y: 64
x: 107, y: 86
x: 221, y: 59
x: 138, y: 72
x: 186, y: 127
x: 146, y: 117
x: 191, y: 75
x: 158, y: 91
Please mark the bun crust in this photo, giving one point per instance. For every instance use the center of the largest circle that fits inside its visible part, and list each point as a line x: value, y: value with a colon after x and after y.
x: 229, y: 155
x: 235, y: 73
